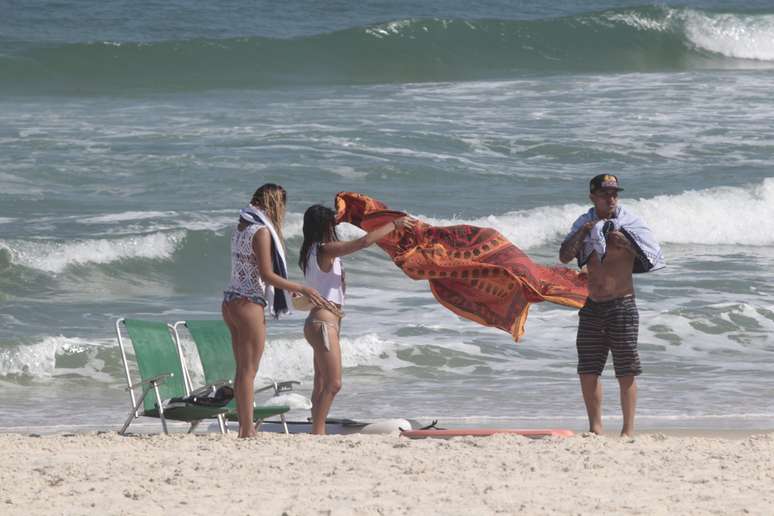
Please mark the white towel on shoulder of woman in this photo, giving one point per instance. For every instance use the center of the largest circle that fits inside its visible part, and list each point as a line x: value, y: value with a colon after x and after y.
x: 278, y: 300
x: 648, y: 255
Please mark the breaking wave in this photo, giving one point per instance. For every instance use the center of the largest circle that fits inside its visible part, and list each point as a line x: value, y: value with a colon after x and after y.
x: 412, y: 50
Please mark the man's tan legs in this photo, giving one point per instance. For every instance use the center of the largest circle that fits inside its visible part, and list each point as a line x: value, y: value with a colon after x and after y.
x: 628, y: 385
x: 592, y: 396
x: 591, y: 386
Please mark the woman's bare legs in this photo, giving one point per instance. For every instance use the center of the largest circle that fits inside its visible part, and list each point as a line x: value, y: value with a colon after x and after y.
x: 318, y: 381
x: 327, y: 367
x: 246, y: 322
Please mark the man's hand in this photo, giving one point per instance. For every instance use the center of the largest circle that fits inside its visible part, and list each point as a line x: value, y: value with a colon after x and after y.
x: 404, y: 223
x: 619, y: 240
x: 587, y: 227
x: 572, y: 245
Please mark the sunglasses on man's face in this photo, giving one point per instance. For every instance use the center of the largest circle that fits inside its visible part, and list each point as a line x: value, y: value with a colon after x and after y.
x: 606, y: 193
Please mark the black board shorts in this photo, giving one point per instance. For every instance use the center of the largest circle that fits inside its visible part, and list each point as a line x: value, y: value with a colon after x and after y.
x: 609, y: 327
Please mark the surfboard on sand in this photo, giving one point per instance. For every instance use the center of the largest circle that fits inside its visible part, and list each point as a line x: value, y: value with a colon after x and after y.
x: 342, y: 426
x: 447, y: 433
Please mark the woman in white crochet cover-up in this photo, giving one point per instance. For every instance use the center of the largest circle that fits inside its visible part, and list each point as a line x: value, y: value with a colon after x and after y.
x: 254, y: 282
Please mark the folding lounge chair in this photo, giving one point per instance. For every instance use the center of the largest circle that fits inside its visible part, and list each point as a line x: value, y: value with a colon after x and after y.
x: 213, y: 342
x: 159, y: 362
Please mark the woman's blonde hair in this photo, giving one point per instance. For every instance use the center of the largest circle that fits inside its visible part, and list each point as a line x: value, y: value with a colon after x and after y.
x: 271, y: 198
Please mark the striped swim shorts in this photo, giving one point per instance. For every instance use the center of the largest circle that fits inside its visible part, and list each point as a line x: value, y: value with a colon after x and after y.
x: 609, y: 327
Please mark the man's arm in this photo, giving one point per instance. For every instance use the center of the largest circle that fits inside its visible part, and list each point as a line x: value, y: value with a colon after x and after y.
x: 571, y: 247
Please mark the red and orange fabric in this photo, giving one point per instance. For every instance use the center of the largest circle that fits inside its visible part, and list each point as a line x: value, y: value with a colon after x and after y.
x: 474, y: 272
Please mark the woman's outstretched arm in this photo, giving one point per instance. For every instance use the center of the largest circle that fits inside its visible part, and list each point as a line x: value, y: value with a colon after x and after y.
x: 341, y: 248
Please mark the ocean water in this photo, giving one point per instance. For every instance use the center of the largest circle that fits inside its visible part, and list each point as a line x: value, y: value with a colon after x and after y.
x: 132, y: 133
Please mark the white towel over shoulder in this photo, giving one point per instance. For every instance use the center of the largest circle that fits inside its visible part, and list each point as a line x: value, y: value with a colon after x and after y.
x: 648, y: 255
x: 278, y: 300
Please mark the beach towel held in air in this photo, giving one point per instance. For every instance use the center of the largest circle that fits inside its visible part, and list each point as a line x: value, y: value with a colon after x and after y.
x: 474, y: 272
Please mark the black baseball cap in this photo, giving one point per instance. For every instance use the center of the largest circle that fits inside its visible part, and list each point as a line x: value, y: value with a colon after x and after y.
x: 604, y: 181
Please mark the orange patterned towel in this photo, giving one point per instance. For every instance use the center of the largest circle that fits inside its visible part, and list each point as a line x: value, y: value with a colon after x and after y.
x: 474, y: 272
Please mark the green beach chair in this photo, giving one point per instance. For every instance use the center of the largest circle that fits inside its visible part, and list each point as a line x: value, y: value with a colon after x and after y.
x: 213, y: 342
x: 162, y: 372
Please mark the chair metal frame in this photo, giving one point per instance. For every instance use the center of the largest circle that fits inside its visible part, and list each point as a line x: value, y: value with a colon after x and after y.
x: 278, y: 387
x: 153, y: 384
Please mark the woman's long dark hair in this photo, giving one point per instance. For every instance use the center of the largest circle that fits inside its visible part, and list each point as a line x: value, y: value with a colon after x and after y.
x: 319, y: 227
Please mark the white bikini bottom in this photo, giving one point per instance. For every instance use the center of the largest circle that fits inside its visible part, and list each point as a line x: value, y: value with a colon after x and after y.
x: 325, y: 326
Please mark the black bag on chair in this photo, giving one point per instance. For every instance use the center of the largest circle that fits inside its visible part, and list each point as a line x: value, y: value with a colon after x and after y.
x: 220, y: 397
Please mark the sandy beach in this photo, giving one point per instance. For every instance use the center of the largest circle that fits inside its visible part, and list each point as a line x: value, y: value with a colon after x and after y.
x: 655, y: 473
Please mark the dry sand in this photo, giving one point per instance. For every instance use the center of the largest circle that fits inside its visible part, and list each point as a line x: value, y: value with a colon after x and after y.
x: 366, y: 474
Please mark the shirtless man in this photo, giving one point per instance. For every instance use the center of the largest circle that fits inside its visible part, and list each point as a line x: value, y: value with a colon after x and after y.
x: 609, y: 321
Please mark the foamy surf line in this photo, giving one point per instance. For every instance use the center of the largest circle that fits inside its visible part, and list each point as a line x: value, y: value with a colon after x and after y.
x: 55, y: 256
x: 735, y: 35
x: 732, y: 35
x: 706, y: 217
x: 293, y: 358
x: 39, y: 359
x: 710, y: 217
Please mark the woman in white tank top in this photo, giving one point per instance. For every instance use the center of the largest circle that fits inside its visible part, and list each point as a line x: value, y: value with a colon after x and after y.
x: 320, y: 259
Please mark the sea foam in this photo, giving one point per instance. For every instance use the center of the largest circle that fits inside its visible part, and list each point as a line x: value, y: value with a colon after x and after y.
x: 732, y: 35
x: 725, y: 216
x: 287, y: 358
x: 715, y: 216
x: 56, y: 256
x: 37, y: 360
x: 738, y: 36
